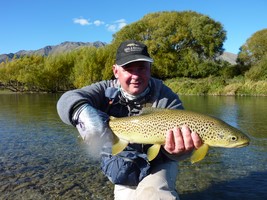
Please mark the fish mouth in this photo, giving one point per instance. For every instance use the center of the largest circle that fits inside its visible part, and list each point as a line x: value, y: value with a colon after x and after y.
x: 243, y: 144
x: 236, y: 145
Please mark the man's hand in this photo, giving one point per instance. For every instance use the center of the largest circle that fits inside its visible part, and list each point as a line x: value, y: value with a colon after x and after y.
x: 181, y: 140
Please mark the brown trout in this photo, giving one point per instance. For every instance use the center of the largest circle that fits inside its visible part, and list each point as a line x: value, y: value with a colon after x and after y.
x: 151, y: 127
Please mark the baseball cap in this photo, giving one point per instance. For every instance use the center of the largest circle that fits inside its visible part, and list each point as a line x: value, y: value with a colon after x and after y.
x: 132, y: 51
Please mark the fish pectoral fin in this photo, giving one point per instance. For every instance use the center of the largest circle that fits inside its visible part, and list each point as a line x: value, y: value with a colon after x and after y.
x: 153, y: 151
x: 200, y: 153
x: 118, y: 145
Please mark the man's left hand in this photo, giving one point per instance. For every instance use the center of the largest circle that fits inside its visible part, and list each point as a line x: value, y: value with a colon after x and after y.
x: 180, y: 141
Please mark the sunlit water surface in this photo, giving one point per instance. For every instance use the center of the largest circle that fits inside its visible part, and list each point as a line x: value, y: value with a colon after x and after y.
x: 42, y: 158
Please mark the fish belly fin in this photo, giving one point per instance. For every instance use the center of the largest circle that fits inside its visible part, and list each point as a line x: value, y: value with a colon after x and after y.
x: 200, y: 153
x: 153, y: 151
x: 118, y: 145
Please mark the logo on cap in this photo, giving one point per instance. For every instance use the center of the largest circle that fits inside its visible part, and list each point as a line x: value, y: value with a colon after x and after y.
x: 132, y: 47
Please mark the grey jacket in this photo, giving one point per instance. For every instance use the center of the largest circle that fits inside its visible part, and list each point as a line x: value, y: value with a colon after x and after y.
x: 131, y: 165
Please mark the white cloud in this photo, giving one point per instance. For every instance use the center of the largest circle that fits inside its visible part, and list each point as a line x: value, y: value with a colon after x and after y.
x: 113, y: 27
x: 81, y: 21
x: 98, y: 22
x: 117, y: 25
x: 121, y: 23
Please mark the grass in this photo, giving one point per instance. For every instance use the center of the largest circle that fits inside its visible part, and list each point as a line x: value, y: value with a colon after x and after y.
x: 218, y: 86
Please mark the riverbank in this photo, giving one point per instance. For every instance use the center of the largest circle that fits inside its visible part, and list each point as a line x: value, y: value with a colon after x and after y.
x: 218, y: 86
x: 206, y: 86
x: 5, y: 91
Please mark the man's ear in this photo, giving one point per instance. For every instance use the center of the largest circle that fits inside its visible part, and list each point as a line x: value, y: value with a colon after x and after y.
x: 115, y: 70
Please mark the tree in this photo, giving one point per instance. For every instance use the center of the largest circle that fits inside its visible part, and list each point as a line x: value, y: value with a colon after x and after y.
x: 21, y: 74
x: 253, y: 50
x: 178, y: 41
x: 107, y: 60
x: 258, y: 71
x: 8, y: 76
x: 88, y: 66
x: 55, y: 75
x: 29, y: 69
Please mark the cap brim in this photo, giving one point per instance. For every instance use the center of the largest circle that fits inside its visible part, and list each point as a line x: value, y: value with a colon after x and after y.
x: 139, y: 58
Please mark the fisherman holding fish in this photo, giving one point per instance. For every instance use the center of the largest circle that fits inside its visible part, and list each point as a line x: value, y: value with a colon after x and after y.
x: 89, y: 108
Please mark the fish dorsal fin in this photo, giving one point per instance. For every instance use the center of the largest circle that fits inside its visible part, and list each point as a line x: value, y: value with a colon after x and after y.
x: 147, y: 105
x: 150, y: 110
x: 200, y: 153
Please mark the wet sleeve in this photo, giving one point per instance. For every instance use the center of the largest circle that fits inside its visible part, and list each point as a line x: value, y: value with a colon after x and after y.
x: 93, y: 95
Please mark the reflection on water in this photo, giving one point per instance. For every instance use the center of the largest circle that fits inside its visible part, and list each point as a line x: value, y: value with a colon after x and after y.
x: 231, y: 173
x: 42, y: 158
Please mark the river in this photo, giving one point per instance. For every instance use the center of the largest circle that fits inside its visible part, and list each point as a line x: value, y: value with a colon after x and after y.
x: 42, y: 158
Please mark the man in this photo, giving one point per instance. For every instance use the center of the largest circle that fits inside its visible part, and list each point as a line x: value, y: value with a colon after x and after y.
x: 134, y: 88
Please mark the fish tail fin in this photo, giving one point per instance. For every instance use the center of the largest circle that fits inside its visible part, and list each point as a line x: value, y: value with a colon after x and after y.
x: 200, y: 153
x: 118, y: 145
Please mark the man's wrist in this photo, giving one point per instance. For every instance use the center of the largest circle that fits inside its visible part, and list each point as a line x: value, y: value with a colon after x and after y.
x: 77, y: 111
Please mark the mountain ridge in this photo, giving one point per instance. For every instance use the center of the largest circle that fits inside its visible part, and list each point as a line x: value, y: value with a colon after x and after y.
x: 51, y: 49
x: 69, y: 46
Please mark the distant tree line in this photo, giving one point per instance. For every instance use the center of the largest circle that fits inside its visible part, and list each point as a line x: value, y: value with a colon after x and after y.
x: 182, y: 44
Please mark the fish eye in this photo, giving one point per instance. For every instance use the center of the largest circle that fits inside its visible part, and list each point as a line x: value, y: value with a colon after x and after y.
x: 234, y: 138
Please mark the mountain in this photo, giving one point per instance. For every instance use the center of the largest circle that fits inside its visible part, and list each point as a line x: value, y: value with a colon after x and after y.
x: 229, y: 57
x: 68, y: 46
x: 48, y: 50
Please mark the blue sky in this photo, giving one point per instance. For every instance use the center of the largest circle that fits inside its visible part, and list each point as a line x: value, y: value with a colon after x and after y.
x: 33, y: 24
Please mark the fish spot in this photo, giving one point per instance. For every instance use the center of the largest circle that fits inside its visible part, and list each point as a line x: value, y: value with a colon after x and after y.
x: 220, y: 136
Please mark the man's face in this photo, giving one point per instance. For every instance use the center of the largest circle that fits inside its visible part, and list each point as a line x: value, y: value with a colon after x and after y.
x: 133, y: 77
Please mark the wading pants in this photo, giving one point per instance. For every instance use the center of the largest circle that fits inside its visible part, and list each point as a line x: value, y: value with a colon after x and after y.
x: 159, y: 185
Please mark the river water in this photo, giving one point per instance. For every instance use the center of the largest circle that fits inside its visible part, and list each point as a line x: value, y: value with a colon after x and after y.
x: 42, y: 158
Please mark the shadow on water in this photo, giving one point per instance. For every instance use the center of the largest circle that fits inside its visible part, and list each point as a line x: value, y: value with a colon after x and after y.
x: 252, y: 187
